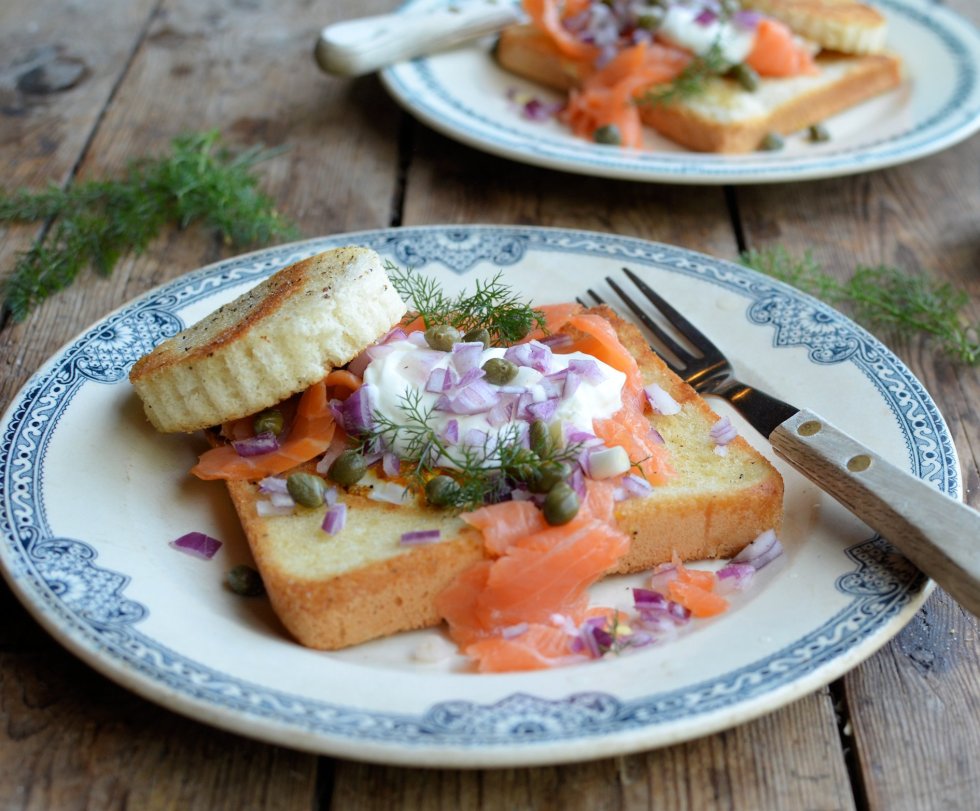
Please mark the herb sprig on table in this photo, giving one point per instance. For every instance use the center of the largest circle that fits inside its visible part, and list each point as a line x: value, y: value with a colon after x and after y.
x: 881, y: 296
x: 493, y: 305
x: 96, y: 222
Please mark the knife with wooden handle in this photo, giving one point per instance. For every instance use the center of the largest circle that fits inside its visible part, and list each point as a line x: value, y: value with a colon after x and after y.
x: 908, y: 511
x: 357, y: 47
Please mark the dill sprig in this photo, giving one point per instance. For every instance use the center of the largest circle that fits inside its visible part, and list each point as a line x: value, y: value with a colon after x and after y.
x: 483, y: 473
x: 691, y: 81
x: 97, y: 222
x: 493, y: 306
x: 882, y: 296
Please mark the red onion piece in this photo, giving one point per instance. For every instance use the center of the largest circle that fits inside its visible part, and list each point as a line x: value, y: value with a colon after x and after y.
x: 441, y: 380
x: 662, y: 575
x: 466, y: 356
x: 723, y: 432
x: 417, y: 338
x: 476, y: 398
x: 534, y: 355
x: 747, y: 19
x: 422, y: 536
x: 451, y: 432
x: 543, y: 411
x: 572, y: 381
x: 335, y: 519
x: 537, y: 110
x: 273, y: 484
x: 390, y: 464
x: 735, y: 577
x: 661, y: 401
x: 706, y: 17
x: 557, y: 341
x: 637, y: 486
x: 588, y: 368
x: 762, y: 551
x: 357, y: 411
x: 512, y: 631
x: 197, y: 544
x: 266, y: 442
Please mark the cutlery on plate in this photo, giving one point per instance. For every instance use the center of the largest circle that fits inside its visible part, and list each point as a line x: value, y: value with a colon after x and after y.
x: 937, y: 533
x: 356, y: 47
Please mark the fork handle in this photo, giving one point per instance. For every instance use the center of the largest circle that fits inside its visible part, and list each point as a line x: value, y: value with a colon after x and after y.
x: 937, y: 533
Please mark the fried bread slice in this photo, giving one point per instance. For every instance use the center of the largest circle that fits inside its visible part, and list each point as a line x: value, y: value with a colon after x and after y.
x: 272, y: 341
x: 332, y: 591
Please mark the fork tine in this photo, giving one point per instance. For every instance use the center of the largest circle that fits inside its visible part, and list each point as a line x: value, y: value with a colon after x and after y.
x: 676, y: 349
x: 678, y: 321
x: 595, y: 296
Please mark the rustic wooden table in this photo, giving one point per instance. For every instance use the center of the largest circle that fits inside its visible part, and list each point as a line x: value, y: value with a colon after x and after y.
x: 901, y: 731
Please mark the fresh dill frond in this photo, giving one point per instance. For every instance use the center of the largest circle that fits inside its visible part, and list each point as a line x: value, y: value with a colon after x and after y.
x: 691, y: 81
x: 95, y: 223
x: 883, y: 296
x: 483, y: 473
x: 493, y: 305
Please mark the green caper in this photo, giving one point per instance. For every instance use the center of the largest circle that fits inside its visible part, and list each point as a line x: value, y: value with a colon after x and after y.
x: 608, y: 134
x: 773, y: 142
x: 652, y: 18
x: 560, y: 505
x: 818, y: 133
x: 745, y: 76
x: 245, y: 581
x: 441, y: 491
x: 500, y: 371
x: 477, y: 335
x: 442, y: 337
x: 540, y: 437
x: 306, y: 489
x: 549, y: 475
x: 267, y: 421
x: 348, y: 468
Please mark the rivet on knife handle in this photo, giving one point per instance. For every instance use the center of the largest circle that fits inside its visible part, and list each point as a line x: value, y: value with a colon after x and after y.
x: 937, y: 533
x: 357, y: 47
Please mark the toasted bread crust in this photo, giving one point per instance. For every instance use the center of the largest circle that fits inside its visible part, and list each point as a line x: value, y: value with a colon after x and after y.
x: 273, y: 341
x: 373, y: 587
x: 839, y: 25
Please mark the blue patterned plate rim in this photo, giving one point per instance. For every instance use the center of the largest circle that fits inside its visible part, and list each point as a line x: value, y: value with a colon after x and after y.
x: 453, y: 108
x: 84, y: 604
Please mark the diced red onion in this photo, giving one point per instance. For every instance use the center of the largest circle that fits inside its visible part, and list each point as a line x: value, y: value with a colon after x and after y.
x: 389, y: 492
x: 441, y: 380
x: 394, y: 334
x: 706, y: 17
x: 551, y: 385
x: 337, y: 447
x: 723, y: 432
x: 572, y: 381
x: 637, y: 486
x: 577, y: 482
x: 661, y: 401
x: 662, y: 575
x: 747, y: 19
x: 604, y: 463
x: 476, y: 398
x: 335, y: 519
x: 475, y: 437
x: 358, y: 410
x: 265, y: 508
x: 656, y: 437
x: 359, y: 364
x: 470, y: 376
x: 503, y: 412
x: 512, y: 631
x: 451, y: 432
x: 583, y: 437
x: 588, y: 368
x: 417, y: 338
x: 557, y: 341
x: 266, y: 442
x: 735, y: 577
x: 652, y: 605
x: 762, y: 551
x: 330, y: 496
x: 272, y: 484
x: 390, y: 464
x: 466, y: 356
x: 421, y: 536
x: 197, y: 544
x: 533, y: 354
x: 543, y: 411
x: 537, y: 110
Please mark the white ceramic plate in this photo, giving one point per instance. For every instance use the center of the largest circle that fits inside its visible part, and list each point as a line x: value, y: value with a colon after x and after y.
x: 463, y: 94
x: 91, y: 497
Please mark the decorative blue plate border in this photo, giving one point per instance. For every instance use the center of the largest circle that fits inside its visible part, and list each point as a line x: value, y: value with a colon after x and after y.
x: 61, y: 580
x: 416, y: 87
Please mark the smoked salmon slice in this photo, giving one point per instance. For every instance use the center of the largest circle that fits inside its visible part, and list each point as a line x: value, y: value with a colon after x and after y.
x: 310, y: 435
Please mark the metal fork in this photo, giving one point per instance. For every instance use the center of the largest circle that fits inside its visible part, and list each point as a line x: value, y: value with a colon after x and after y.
x: 937, y: 533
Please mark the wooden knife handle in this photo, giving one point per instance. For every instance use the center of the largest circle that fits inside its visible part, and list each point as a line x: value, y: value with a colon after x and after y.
x: 937, y: 533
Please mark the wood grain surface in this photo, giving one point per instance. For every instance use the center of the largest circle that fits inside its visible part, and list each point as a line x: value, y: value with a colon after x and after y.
x: 901, y: 731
